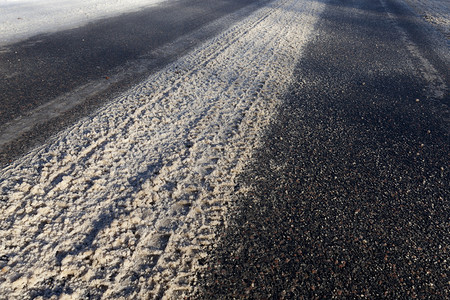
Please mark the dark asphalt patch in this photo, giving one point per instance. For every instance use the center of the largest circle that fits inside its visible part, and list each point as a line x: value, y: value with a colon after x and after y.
x: 351, y: 187
x: 44, y: 67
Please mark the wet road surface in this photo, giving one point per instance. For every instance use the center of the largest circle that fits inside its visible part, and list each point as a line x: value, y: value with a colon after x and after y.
x: 49, y: 81
x: 349, y: 195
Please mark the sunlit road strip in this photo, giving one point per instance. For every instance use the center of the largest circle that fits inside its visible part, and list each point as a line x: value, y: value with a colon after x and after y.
x: 51, y: 81
x: 21, y: 19
x: 124, y: 203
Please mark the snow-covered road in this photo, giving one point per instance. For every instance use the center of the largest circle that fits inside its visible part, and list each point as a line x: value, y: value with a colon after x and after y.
x: 21, y: 19
x: 124, y: 202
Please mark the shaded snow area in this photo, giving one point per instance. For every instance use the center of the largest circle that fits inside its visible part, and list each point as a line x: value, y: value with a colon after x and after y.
x: 436, y: 12
x: 20, y: 19
x: 125, y: 202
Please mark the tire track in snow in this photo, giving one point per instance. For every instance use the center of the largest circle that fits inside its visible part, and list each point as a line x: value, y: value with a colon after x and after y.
x: 123, y: 203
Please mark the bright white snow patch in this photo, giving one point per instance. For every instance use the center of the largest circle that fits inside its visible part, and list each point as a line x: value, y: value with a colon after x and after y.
x: 123, y: 203
x: 20, y: 19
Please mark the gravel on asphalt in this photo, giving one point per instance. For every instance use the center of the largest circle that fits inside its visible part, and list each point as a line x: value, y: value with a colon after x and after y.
x: 349, y: 195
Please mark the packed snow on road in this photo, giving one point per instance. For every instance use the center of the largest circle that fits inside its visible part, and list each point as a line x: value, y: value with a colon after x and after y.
x: 125, y: 202
x: 21, y: 19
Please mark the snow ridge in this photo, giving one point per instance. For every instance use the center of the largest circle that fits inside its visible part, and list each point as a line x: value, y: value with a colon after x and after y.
x: 124, y: 203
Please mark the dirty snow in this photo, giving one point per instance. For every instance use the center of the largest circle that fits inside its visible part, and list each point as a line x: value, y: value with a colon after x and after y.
x: 20, y: 19
x: 436, y: 12
x: 123, y: 203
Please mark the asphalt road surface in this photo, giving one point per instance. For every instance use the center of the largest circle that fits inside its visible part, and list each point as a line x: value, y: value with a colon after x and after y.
x: 349, y: 196
x: 300, y: 153
x: 49, y: 81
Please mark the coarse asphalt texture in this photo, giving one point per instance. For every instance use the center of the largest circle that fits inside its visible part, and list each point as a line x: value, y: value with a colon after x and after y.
x: 94, y: 63
x: 349, y: 196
